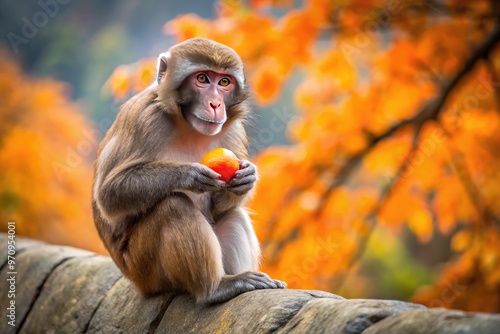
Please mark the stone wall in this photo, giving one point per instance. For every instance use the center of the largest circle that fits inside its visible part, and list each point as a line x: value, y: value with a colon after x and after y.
x: 67, y: 290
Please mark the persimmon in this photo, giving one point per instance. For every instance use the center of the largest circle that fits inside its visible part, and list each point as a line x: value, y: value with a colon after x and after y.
x: 222, y: 161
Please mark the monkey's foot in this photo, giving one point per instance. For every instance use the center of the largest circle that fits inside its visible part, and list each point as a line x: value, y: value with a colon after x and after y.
x: 234, y: 285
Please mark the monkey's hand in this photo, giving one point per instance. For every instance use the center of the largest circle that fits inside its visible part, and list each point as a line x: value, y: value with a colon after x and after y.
x: 244, y: 179
x: 202, y: 179
x: 232, y: 195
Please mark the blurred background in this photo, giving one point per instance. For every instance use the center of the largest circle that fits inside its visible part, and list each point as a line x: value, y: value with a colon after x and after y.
x: 376, y: 131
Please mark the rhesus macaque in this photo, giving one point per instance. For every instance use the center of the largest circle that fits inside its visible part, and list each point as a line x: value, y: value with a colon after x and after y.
x: 169, y: 222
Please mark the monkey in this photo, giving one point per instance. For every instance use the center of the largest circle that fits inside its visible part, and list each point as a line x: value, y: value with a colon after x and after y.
x: 168, y: 222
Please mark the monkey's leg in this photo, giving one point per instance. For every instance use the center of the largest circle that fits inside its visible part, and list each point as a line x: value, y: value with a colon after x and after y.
x: 240, y: 252
x: 240, y: 247
x: 175, y: 247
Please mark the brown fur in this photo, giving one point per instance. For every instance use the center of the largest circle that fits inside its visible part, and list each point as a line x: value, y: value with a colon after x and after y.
x: 166, y: 222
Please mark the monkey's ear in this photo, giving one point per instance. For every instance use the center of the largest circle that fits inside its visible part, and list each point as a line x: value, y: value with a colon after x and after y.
x: 162, y: 66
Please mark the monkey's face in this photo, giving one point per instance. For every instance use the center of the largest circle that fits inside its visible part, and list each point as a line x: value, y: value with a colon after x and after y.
x: 209, y: 91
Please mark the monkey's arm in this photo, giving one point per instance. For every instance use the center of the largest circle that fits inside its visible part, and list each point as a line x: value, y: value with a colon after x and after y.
x: 237, y: 191
x: 136, y: 186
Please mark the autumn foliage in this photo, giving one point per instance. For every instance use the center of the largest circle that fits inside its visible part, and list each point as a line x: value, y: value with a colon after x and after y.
x: 396, y: 133
x: 46, y: 151
x: 397, y: 129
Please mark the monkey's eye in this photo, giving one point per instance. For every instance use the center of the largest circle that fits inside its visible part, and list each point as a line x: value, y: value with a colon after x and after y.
x: 202, y: 78
x: 224, y: 82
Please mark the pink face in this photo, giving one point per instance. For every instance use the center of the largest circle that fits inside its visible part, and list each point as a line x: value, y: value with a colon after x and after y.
x: 209, y: 113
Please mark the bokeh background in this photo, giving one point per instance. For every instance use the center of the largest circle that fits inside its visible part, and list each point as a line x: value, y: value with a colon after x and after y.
x: 376, y: 131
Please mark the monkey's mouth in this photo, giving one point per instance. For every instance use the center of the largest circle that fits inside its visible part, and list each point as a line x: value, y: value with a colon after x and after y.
x: 214, y: 121
x: 204, y: 125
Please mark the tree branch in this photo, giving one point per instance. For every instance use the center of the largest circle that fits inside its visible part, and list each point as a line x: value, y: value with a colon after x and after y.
x: 430, y: 111
x: 434, y: 10
x: 472, y: 191
x: 384, y: 195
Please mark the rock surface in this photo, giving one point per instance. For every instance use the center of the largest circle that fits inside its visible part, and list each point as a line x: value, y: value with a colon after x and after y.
x: 66, y: 290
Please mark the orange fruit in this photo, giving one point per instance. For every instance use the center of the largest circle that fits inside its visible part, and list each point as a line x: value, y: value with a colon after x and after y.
x: 222, y: 161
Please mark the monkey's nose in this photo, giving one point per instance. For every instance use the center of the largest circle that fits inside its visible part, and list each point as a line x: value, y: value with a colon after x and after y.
x: 214, y: 107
